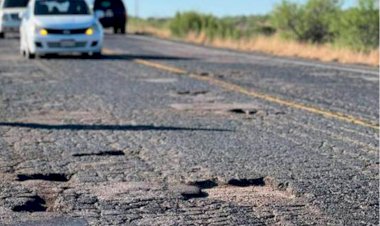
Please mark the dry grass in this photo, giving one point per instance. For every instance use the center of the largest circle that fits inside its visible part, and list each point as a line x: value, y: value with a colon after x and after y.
x: 277, y: 46
x: 274, y: 45
x: 143, y: 28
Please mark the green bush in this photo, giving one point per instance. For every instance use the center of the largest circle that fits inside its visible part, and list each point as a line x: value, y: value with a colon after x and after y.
x: 191, y: 22
x: 228, y: 27
x: 316, y: 21
x: 358, y: 27
x: 309, y: 22
x: 184, y: 23
x: 286, y: 18
x: 321, y: 21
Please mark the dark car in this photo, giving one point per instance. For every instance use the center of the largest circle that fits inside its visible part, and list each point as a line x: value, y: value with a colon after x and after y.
x: 115, y: 14
x: 10, y: 15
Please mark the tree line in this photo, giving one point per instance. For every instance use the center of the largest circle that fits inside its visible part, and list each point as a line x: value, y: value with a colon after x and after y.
x: 315, y: 21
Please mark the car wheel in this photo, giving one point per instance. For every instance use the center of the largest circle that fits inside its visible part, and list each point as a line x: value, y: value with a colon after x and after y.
x: 115, y: 30
x: 97, y: 55
x: 48, y: 55
x: 85, y: 55
x: 29, y: 55
x: 2, y: 34
x: 122, y: 29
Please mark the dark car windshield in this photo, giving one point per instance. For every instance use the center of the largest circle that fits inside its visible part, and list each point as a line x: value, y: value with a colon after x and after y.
x: 15, y: 3
x: 61, y: 7
x: 114, y: 5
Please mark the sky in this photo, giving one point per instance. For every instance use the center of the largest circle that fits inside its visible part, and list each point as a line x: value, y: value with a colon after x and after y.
x: 165, y: 8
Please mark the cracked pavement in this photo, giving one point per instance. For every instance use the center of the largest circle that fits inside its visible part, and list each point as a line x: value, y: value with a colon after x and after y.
x: 113, y: 142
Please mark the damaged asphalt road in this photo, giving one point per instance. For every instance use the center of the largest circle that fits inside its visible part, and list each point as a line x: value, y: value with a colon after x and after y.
x: 165, y: 133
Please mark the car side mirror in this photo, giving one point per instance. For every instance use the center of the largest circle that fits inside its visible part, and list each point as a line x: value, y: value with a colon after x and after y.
x: 99, y: 14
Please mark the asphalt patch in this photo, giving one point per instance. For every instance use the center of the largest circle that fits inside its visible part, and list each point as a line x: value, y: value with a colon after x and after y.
x: 61, y: 221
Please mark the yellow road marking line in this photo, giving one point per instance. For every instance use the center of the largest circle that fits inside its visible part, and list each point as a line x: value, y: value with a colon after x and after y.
x: 236, y: 88
x: 273, y: 99
x: 161, y: 66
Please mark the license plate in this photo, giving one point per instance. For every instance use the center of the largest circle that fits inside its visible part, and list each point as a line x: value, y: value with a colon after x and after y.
x: 67, y: 43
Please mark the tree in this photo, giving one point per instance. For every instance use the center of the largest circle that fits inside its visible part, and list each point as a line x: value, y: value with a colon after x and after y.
x: 286, y: 18
x: 307, y: 22
x: 358, y: 27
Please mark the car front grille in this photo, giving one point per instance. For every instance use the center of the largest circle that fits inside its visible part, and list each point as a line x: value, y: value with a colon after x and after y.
x: 58, y: 45
x: 15, y: 16
x: 66, y: 31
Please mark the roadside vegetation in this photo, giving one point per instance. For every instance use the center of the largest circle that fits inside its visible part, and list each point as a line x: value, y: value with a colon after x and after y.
x: 317, y: 29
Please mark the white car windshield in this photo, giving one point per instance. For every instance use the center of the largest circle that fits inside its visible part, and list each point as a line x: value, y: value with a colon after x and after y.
x: 61, y: 7
x: 15, y: 3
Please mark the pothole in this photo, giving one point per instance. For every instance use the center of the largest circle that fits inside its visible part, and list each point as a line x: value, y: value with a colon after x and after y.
x: 33, y: 204
x: 222, y: 107
x: 54, y: 177
x: 192, y: 93
x: 273, y: 202
x: 192, y: 192
x: 204, y: 184
x: 205, y: 74
x: 247, y: 182
x: 189, y: 191
x: 195, y: 189
x: 102, y: 153
x: 243, y: 111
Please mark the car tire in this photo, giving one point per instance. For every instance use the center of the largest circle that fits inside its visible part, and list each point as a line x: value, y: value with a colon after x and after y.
x: 85, y: 55
x: 115, y: 30
x: 2, y: 35
x: 29, y: 55
x: 122, y: 29
x: 49, y: 56
x: 97, y: 55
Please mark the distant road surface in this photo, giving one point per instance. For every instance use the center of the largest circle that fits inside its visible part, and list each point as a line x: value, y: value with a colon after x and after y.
x: 166, y: 133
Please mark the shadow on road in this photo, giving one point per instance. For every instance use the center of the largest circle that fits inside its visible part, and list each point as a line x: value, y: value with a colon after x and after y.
x: 143, y: 57
x: 78, y: 127
x: 130, y: 57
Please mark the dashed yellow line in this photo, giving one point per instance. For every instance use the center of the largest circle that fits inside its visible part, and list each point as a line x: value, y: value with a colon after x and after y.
x: 236, y: 88
x: 161, y: 66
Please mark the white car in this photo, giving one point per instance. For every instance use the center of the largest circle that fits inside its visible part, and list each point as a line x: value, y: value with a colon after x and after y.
x: 60, y: 26
x: 10, y: 15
